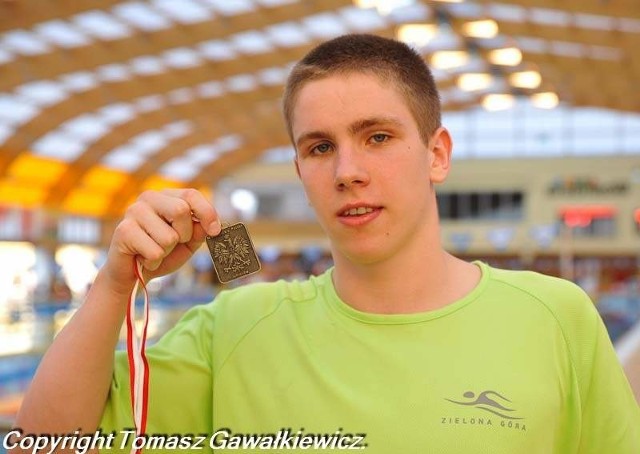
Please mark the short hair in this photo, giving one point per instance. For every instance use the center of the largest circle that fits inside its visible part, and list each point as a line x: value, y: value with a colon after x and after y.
x: 390, y: 60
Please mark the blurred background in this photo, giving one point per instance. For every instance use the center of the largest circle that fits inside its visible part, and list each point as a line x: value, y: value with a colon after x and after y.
x: 102, y: 99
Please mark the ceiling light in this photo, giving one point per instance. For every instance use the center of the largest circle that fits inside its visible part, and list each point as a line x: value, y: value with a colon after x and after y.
x: 474, y: 81
x: 417, y: 34
x: 449, y: 59
x: 509, y: 56
x: 545, y: 100
x: 496, y: 102
x: 525, y: 79
x: 487, y: 28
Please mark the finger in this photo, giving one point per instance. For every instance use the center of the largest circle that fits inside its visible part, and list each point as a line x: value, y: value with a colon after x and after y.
x: 198, y: 237
x: 167, y: 236
x: 134, y: 240
x: 172, y: 210
x: 203, y: 211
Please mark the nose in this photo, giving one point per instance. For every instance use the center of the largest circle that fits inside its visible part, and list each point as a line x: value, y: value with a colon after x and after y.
x: 350, y: 169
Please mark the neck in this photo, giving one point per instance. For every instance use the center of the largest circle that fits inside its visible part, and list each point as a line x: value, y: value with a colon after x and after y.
x: 409, y: 282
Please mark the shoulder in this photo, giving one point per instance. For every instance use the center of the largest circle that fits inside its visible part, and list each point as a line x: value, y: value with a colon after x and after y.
x: 572, y: 309
x: 560, y: 296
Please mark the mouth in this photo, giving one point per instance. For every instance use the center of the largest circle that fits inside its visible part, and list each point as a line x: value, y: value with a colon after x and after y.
x: 357, y: 210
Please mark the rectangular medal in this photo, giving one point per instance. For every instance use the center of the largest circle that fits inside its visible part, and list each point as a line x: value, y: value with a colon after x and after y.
x: 233, y: 253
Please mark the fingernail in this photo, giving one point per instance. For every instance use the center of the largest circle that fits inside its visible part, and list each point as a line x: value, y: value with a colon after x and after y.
x: 214, y: 228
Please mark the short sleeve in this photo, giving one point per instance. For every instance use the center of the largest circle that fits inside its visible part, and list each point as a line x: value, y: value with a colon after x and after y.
x: 180, y: 381
x: 610, y: 413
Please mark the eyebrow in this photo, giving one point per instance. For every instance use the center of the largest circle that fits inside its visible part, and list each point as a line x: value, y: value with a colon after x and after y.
x: 354, y: 128
x: 313, y: 135
x: 360, y: 125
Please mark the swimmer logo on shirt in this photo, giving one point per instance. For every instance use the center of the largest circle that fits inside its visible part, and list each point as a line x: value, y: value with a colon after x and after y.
x: 488, y: 401
x: 233, y: 253
x: 491, y: 403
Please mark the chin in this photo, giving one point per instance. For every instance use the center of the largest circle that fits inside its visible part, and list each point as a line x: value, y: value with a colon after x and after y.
x: 363, y: 254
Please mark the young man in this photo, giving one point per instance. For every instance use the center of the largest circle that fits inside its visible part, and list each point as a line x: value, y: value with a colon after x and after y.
x: 399, y: 348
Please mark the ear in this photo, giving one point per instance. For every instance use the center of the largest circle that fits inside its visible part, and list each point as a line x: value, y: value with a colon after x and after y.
x: 440, y: 162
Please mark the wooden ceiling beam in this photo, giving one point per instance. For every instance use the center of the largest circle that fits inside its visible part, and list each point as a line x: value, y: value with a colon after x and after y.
x: 27, y: 13
x: 255, y: 141
x: 618, y: 9
x: 111, y: 92
x: 121, y: 51
x: 231, y: 106
x: 584, y: 81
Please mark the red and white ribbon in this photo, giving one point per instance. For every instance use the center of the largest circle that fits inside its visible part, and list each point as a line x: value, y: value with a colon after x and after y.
x: 138, y: 365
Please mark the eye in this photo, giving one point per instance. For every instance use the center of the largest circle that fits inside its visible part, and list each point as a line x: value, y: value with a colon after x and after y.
x: 379, y: 138
x: 321, y: 148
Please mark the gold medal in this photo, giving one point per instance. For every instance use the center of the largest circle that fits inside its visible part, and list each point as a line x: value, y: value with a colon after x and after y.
x: 233, y: 253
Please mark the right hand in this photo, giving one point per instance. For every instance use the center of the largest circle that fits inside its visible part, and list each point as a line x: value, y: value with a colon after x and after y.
x: 162, y: 230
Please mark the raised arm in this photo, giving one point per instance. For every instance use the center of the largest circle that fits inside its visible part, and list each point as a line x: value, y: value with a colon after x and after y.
x: 70, y: 388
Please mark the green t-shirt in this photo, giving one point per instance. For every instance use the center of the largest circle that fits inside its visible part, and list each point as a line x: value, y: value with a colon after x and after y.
x: 523, y: 364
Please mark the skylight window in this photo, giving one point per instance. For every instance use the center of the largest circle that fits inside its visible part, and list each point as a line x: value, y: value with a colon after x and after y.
x: 241, y: 83
x: 101, y: 25
x: 113, y: 73
x: 124, y: 158
x: 251, y: 42
x: 148, y: 143
x: 181, y: 96
x: 177, y: 129
x: 509, y: 13
x: 24, y: 43
x: 115, y: 114
x: 594, y: 22
x: 62, y: 34
x: 324, y: 26
x: 529, y: 44
x: 287, y: 34
x: 444, y: 39
x: 150, y: 103
x: 211, y: 89
x: 605, y: 53
x: 217, y: 50
x: 5, y: 56
x: 86, y: 128
x: 228, y: 143
x: 183, y: 11
x: 228, y: 8
x: 181, y: 57
x: 362, y: 20
x: 415, y: 12
x: 78, y: 82
x: 278, y: 155
x: 147, y: 65
x: 549, y: 17
x: 142, y: 16
x: 627, y: 25
x: 58, y: 145
x: 272, y: 3
x: 5, y: 132
x: 180, y: 169
x: 202, y: 155
x: 15, y: 110
x: 466, y: 10
x: 273, y: 76
x: 42, y: 93
x: 567, y: 49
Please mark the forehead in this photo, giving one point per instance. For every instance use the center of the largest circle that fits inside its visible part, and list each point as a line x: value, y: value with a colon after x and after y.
x: 341, y: 98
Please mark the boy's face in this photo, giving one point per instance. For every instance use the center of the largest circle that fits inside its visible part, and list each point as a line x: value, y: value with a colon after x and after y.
x: 363, y: 165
